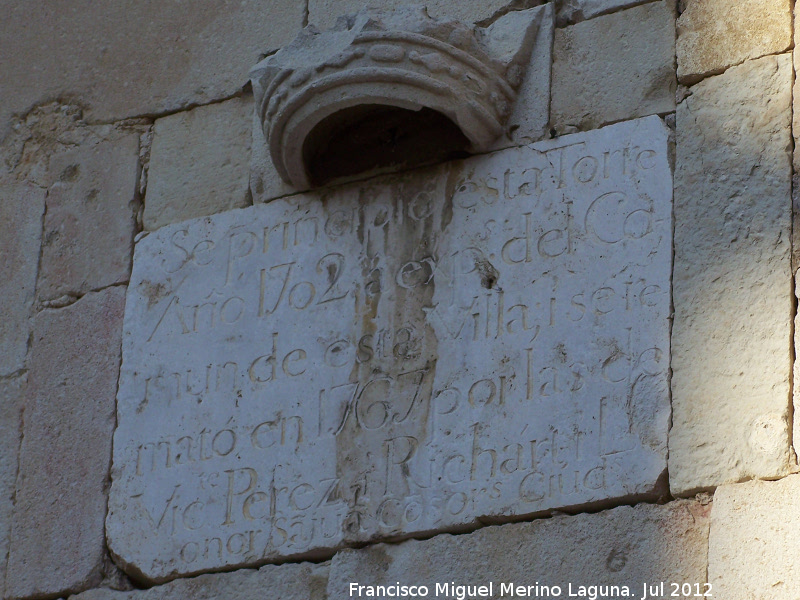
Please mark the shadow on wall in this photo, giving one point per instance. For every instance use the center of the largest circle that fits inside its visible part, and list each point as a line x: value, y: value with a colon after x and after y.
x: 732, y: 283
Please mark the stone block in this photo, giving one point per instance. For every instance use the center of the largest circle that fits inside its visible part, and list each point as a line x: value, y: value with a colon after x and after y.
x: 139, y: 58
x: 199, y: 163
x: 753, y: 543
x: 91, y: 215
x: 716, y: 34
x: 483, y: 339
x: 494, y: 96
x: 625, y: 546
x: 12, y: 391
x: 573, y: 11
x: 21, y: 211
x: 302, y: 581
x: 530, y: 115
x: 324, y: 13
x: 57, y: 532
x: 796, y: 134
x: 732, y: 281
x: 614, y: 67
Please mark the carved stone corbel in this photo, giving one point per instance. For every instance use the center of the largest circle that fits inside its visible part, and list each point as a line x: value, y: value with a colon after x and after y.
x: 403, y: 59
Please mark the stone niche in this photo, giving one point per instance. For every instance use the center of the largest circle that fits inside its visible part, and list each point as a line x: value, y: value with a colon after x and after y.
x: 472, y: 343
x: 385, y: 91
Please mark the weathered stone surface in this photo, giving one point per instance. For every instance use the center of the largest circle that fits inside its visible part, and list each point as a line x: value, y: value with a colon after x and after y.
x: 527, y: 122
x: 530, y: 114
x: 753, y: 544
x: 91, y: 215
x: 796, y: 365
x: 285, y: 582
x: 619, y: 547
x: 21, y: 210
x: 324, y: 13
x: 796, y: 134
x: 11, y: 401
x: 395, y: 75
x: 486, y: 339
x: 45, y: 131
x: 199, y: 163
x: 715, y: 34
x: 732, y: 281
x: 572, y: 11
x: 614, y: 67
x: 265, y: 183
x: 136, y: 58
x: 57, y: 529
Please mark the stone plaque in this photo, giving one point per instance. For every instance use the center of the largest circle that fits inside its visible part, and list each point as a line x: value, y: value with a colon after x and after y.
x: 476, y: 342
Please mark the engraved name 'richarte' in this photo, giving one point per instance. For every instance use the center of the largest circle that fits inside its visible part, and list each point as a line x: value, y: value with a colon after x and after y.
x: 486, y: 339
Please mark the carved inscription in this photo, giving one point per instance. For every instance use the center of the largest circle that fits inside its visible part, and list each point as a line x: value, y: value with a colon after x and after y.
x: 488, y: 339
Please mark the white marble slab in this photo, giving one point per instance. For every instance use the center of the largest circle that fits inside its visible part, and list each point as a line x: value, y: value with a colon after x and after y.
x: 482, y: 340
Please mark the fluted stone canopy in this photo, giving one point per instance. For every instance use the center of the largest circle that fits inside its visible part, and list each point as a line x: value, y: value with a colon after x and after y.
x: 402, y: 59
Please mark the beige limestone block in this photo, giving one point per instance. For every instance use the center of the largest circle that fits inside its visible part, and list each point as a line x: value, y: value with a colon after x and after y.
x: 199, y: 163
x: 324, y: 13
x: 796, y: 201
x: 796, y: 178
x: 622, y: 546
x: 753, y: 543
x: 21, y: 210
x: 300, y: 581
x: 12, y: 391
x: 732, y: 281
x: 121, y: 59
x: 715, y: 34
x: 57, y: 532
x: 337, y: 97
x: 91, y: 215
x: 614, y: 67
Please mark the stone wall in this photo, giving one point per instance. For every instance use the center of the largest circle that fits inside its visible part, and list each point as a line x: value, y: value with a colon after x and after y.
x: 565, y: 361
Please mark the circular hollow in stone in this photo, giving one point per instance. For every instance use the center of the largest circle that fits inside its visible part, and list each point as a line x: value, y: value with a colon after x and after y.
x: 377, y: 138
